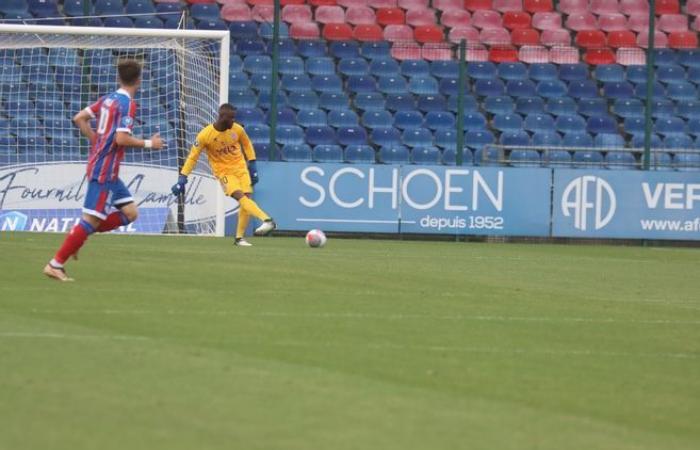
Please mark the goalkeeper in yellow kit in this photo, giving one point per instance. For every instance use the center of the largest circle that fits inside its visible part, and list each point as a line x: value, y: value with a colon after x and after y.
x: 232, y: 160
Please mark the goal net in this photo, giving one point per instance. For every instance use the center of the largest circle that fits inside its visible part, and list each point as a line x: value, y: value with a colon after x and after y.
x: 48, y: 74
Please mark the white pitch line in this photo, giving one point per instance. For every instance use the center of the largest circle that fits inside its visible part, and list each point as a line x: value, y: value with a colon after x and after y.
x: 367, y: 316
x: 23, y: 335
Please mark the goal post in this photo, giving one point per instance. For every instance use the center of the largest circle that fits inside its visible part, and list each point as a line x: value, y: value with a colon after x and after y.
x: 49, y: 73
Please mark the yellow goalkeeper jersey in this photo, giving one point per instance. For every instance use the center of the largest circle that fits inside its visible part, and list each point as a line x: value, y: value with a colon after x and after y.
x: 226, y: 150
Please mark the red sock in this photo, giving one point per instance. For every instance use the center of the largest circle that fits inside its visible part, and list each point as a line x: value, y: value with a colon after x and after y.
x: 75, y: 239
x: 114, y: 220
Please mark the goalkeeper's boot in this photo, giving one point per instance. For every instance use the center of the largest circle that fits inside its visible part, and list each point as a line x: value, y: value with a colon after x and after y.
x: 266, y: 228
x: 57, y: 273
x: 240, y: 242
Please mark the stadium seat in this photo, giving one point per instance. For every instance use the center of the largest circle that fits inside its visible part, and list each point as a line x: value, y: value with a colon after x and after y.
x: 621, y: 39
x: 547, y: 138
x: 362, y: 154
x: 499, y: 105
x: 525, y: 36
x: 488, y: 88
x: 329, y: 153
x: 400, y: 102
x: 354, y: 135
x: 291, y: 65
x: 337, y: 32
x: 595, y: 106
x: 679, y: 142
x: 384, y: 67
x: 507, y: 122
x: 601, y: 124
x: 484, y: 19
x: 417, y: 137
x: 521, y: 88
x: 688, y: 109
x: 415, y: 68
x: 525, y: 158
x: 512, y: 71
x: 332, y: 101
x: 539, y: 123
x: 426, y: 156
x: 325, y: 14
x: 620, y: 160
x: 529, y: 105
x: 320, y: 135
x: 438, y: 120
x: 305, y: 30
x: 582, y: 89
x: 360, y: 15
x: 669, y: 126
x: 326, y: 83
x: 514, y: 138
x: 311, y: 117
x: 588, y: 159
x: 408, y: 119
x: 390, y: 16
x: 609, y: 73
x: 392, y: 85
x: 290, y: 134
x: 551, y: 89
x: 449, y: 157
x: 344, y: 49
x: 361, y: 84
x: 296, y: 153
x: 608, y: 140
x: 376, y: 119
x: 201, y: 11
x: 343, y: 119
x: 368, y: 32
x: 252, y: 116
x: 569, y: 124
x: 427, y: 103
x: 618, y: 90
x: 102, y: 7
x: 376, y: 50
x: 394, y: 155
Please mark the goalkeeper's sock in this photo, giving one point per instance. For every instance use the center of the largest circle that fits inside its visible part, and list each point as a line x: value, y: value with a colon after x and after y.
x: 252, y: 208
x: 243, y: 219
x: 114, y: 220
x: 75, y: 239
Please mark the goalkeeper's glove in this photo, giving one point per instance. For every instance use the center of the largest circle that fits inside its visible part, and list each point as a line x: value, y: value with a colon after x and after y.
x: 179, y: 187
x: 253, y: 170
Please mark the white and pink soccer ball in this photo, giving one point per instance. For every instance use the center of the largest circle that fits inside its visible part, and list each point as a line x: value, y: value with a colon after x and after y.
x: 316, y: 238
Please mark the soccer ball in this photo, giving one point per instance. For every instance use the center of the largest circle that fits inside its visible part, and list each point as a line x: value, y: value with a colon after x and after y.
x: 315, y: 238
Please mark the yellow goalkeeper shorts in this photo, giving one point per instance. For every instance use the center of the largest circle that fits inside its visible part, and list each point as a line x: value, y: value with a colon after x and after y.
x: 238, y: 180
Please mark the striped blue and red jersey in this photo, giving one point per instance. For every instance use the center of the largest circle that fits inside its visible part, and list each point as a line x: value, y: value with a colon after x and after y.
x: 114, y: 113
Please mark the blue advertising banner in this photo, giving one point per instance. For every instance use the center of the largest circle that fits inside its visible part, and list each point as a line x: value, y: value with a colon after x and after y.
x: 150, y: 220
x: 626, y: 204
x: 407, y: 199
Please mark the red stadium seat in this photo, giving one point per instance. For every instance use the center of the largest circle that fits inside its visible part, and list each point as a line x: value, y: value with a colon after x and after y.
x: 297, y: 13
x: 390, y: 16
x: 696, y: 24
x: 671, y: 23
x: 612, y: 22
x: 555, y: 38
x: 507, y: 5
x: 564, y: 55
x: 596, y: 56
x: 525, y: 36
x: 250, y: 2
x: 469, y: 34
x: 535, y: 6
x: 447, y: 5
x: 378, y: 4
x: 351, y: 3
x: 330, y: 14
x: 533, y: 54
x: 514, y: 20
x: 337, y: 32
x: 604, y: 7
x: 478, y: 5
x: 420, y: 17
x: 667, y: 7
x: 660, y: 39
x: 368, y: 33
x: 546, y: 21
x: 683, y: 39
x: 495, y: 36
x: 573, y: 6
x: 360, y: 15
x: 503, y: 54
x: 582, y: 21
x: 477, y: 53
x: 693, y: 7
x: 304, y: 30
x: 236, y: 13
x: 263, y: 13
x: 394, y: 33
x: 486, y: 19
x: 618, y: 39
x: 590, y: 39
x: 437, y: 52
x: 455, y: 18
x: 630, y: 56
x: 322, y: 2
x: 638, y: 22
x: 406, y: 51
x: 428, y: 33
x: 413, y: 4
x: 292, y: 2
x: 631, y: 7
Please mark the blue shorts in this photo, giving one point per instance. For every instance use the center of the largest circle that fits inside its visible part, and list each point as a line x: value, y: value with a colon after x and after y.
x: 100, y: 196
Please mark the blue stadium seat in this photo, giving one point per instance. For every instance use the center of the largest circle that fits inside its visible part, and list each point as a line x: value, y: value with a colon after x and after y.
x: 577, y: 139
x: 521, y: 88
x: 376, y: 50
x: 261, y: 82
x: 476, y: 139
x: 408, y: 119
x: 290, y: 65
x: 588, y: 159
x: 377, y: 119
x: 285, y: 116
x: 629, y: 108
x: 262, y: 152
x: 330, y: 153
x: 525, y: 158
x: 474, y: 121
x: 384, y: 67
x: 394, y: 155
x: 693, y: 75
x: 426, y: 156
x: 582, y: 89
x: 59, y: 127
x: 670, y: 73
x: 333, y: 101
x: 609, y: 73
x: 556, y: 158
x: 482, y: 70
x: 488, y: 156
x: 423, y: 85
x: 369, y: 101
x: 664, y: 57
x: 266, y: 31
x: 693, y: 126
x: 249, y: 47
x: 618, y: 90
x: 327, y: 83
x: 289, y: 134
x: 311, y: 118
x: 361, y: 84
x: 427, y: 103
x: 507, y: 122
x: 634, y: 125
x: 689, y: 57
x: 102, y: 7
x: 658, y: 90
x: 570, y: 123
x: 546, y: 139
x: 489, y: 87
x: 320, y: 135
x: 392, y: 85
x: 303, y: 100
x: 636, y: 74
x: 449, y: 157
x: 660, y: 160
x: 470, y: 103
x: 148, y: 22
x: 415, y: 68
x: 386, y: 137
x: 679, y: 142
x: 253, y: 116
x: 682, y: 91
x: 355, y: 135
x: 439, y: 120
x: 353, y: 66
x: 400, y: 102
x: 136, y: 8
x: 446, y: 138
x: 118, y: 22
x: 662, y: 108
x: 173, y: 23
x: 362, y: 154
x: 573, y: 72
x: 530, y: 105
x: 553, y: 88
x: 539, y: 123
x: 312, y: 48
x: 75, y: 8
x: 608, y: 140
x: 43, y: 8
x: 514, y: 138
x: 445, y: 69
x: 687, y: 162
x: 296, y: 153
x: 601, y: 124
x: 638, y: 141
x: 499, y: 105
x: 287, y: 47
x: 620, y: 160
x: 320, y: 65
x: 543, y: 72
x: 238, y: 81
x: 592, y: 106
x: 252, y: 46
x: 343, y: 118
x: 512, y: 71
x: 417, y: 137
x: 202, y: 11
x: 344, y: 49
x: 241, y: 99
x: 669, y: 125
x: 449, y: 86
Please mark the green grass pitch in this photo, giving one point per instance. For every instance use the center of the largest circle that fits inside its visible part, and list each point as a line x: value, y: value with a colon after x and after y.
x: 190, y: 343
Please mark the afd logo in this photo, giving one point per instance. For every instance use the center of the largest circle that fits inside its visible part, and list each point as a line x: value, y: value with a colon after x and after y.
x: 588, y: 196
x: 13, y: 221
